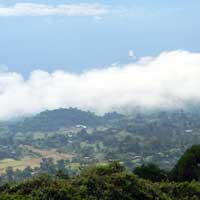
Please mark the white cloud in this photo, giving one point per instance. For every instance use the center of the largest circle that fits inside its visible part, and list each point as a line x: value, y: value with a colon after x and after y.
x: 167, y: 80
x: 33, y: 9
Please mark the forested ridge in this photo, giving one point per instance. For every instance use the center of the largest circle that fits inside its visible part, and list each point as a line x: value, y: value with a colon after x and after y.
x: 73, y: 154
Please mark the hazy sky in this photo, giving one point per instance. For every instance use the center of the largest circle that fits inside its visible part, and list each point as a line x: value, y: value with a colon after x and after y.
x: 75, y: 54
x: 79, y: 35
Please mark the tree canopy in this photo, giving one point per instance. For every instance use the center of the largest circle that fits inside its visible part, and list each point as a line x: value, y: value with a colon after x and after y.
x: 188, y: 166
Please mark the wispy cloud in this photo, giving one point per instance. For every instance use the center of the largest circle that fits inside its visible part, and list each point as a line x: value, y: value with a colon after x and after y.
x: 34, y: 9
x: 168, y: 80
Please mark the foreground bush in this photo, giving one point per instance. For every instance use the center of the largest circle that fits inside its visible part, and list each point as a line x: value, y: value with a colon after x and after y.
x: 108, y: 182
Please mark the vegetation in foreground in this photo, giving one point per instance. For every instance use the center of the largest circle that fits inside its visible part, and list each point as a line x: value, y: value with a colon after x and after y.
x: 114, y: 182
x: 109, y: 182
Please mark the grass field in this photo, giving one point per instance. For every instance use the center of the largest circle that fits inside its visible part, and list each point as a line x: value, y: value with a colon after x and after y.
x: 33, y: 162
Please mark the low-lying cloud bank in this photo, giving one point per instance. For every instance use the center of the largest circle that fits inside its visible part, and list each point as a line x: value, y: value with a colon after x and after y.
x: 168, y: 80
x: 34, y: 9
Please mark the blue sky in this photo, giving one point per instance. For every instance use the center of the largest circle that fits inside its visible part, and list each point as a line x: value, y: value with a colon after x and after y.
x: 50, y: 48
x: 79, y: 43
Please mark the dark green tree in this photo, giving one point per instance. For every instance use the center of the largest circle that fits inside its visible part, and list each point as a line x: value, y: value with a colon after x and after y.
x: 47, y: 166
x: 9, y: 174
x: 188, y: 166
x: 151, y: 172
